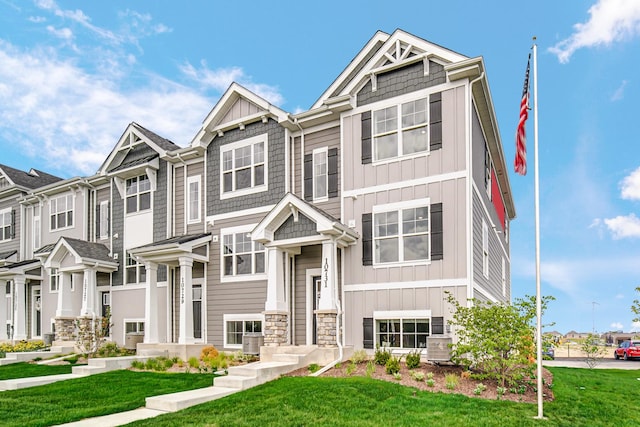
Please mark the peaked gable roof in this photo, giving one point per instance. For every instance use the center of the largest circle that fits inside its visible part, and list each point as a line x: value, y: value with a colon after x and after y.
x: 27, y: 180
x: 84, y: 253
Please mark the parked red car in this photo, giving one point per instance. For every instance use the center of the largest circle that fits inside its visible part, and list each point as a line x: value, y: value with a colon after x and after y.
x: 627, y: 350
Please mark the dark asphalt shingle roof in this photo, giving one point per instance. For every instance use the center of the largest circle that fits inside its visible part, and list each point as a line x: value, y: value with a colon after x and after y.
x: 135, y: 162
x: 5, y: 255
x: 45, y: 249
x: 91, y: 250
x: 32, y: 179
x: 177, y: 240
x: 164, y: 143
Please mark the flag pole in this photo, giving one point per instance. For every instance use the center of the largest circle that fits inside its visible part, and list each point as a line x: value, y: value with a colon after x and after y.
x: 537, y: 220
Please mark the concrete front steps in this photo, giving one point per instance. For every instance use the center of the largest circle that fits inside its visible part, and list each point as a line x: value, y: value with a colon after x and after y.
x: 30, y: 355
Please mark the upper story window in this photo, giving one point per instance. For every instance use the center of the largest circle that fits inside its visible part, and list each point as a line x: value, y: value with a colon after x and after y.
x: 487, y: 171
x: 6, y: 225
x: 400, y: 129
x: 54, y: 280
x: 244, y: 167
x: 401, y: 234
x: 241, y: 256
x: 193, y: 199
x: 320, y: 173
x: 36, y: 232
x: 61, y: 210
x: 485, y: 249
x: 103, y: 229
x: 138, y: 191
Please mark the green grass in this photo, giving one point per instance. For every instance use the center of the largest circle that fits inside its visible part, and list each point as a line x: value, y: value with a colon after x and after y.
x: 91, y: 396
x: 583, y: 397
x: 26, y: 370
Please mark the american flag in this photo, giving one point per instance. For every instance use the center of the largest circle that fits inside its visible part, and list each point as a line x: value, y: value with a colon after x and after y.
x: 521, y: 140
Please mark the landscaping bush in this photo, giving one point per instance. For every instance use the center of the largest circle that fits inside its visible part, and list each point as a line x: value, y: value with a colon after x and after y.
x: 413, y: 359
x: 393, y: 365
x: 359, y: 356
x: 381, y: 356
x: 22, y: 346
x: 313, y: 368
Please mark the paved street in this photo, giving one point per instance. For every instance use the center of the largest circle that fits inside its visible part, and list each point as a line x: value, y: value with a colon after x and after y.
x: 606, y: 363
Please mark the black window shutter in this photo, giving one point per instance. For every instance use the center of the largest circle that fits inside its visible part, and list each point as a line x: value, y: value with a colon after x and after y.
x: 436, y: 232
x: 437, y: 325
x: 308, y: 176
x: 435, y: 121
x: 13, y: 224
x: 367, y: 239
x: 98, y: 221
x: 366, y: 137
x: 332, y: 169
x: 367, y: 332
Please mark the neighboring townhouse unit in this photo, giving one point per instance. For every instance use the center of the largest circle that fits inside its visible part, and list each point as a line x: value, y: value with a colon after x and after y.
x: 20, y: 274
x: 344, y: 225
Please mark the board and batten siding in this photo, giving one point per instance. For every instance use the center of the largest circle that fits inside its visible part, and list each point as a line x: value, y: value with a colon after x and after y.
x: 309, y: 258
x: 179, y: 201
x: 12, y: 244
x: 246, y: 297
x: 180, y: 207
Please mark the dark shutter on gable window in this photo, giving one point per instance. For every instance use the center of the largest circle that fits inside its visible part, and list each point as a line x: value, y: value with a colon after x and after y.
x: 108, y: 218
x: 12, y: 231
x: 98, y: 221
x: 332, y: 171
x: 437, y: 251
x: 308, y: 176
x: 367, y: 332
x: 367, y: 239
x: 437, y: 325
x: 435, y: 121
x: 366, y: 137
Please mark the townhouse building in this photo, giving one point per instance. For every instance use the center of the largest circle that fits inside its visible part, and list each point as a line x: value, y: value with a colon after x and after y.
x: 345, y: 225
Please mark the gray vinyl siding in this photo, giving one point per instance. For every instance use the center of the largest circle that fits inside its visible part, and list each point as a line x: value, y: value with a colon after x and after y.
x: 361, y: 304
x: 117, y: 227
x: 77, y: 231
x: 275, y: 165
x: 195, y: 170
x: 103, y: 195
x: 291, y: 229
x: 12, y: 244
x: 297, y: 167
x: 247, y: 297
x: 242, y: 108
x: 179, y: 201
x: 127, y: 304
x: 402, y: 81
x: 326, y: 138
x: 309, y: 258
x: 357, y: 69
x: 160, y: 216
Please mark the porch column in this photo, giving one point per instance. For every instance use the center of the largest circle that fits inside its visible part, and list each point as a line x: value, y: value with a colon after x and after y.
x: 64, y: 308
x: 151, y: 304
x: 276, y: 281
x: 89, y: 293
x: 20, y: 308
x: 327, y: 313
x: 186, y: 301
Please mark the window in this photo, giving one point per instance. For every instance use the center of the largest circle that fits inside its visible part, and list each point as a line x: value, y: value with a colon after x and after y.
x: 138, y: 191
x: 504, y: 279
x: 104, y: 220
x: 237, y: 325
x: 193, y: 199
x: 133, y: 327
x: 36, y: 232
x: 487, y: 171
x: 401, y: 235
x: 54, y: 280
x: 244, y: 166
x: 5, y: 225
x: 320, y: 173
x: 241, y: 255
x: 400, y: 129
x: 402, y: 332
x: 485, y: 249
x: 61, y: 209
x: 135, y: 272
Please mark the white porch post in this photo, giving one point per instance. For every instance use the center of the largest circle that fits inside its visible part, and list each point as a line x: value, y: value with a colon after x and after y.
x: 186, y: 301
x: 20, y: 308
x: 328, y: 284
x: 64, y: 296
x: 275, y: 282
x: 151, y: 304
x: 89, y: 293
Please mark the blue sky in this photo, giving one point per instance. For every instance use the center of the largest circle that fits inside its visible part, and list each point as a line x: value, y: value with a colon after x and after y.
x: 74, y: 74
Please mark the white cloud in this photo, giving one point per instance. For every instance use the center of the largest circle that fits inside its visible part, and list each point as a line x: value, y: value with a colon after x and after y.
x: 624, y: 226
x: 619, y: 92
x: 62, y: 33
x: 635, y: 326
x: 73, y: 118
x: 610, y: 21
x: 619, y: 296
x: 630, y: 186
x: 617, y: 326
x: 37, y: 19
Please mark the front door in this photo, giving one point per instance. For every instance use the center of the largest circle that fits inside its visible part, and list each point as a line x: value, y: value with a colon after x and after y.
x: 317, y: 280
x: 36, y: 317
x: 197, y: 311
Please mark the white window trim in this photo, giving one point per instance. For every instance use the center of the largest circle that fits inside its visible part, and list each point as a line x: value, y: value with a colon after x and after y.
x: 504, y: 278
x: 488, y: 170
x: 131, y: 320
x: 399, y: 206
x: 59, y: 276
x: 138, y: 265
x: 36, y: 227
x: 239, y: 144
x: 243, y: 277
x: 401, y: 315
x: 398, y: 104
x: 72, y: 210
x: 324, y: 150
x: 238, y: 317
x: 485, y: 249
x: 104, y: 222
x: 191, y: 180
x: 137, y: 194
x: 2, y: 214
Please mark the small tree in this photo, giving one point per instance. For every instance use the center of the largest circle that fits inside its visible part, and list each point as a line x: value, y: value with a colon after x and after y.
x: 91, y: 335
x: 635, y: 308
x: 495, y: 340
x: 592, y: 350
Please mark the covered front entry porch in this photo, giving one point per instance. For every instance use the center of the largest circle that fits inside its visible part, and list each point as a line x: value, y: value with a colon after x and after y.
x: 22, y: 310
x: 182, y: 261
x: 304, y: 274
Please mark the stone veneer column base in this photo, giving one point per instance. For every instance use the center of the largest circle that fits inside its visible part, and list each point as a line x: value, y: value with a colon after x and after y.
x: 65, y: 328
x: 276, y: 327
x: 326, y: 333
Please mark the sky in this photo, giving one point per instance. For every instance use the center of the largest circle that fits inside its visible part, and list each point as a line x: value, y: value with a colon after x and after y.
x: 74, y: 74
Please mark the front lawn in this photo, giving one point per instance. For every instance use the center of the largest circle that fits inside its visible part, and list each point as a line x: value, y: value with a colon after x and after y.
x: 26, y: 370
x: 91, y: 396
x: 583, y: 397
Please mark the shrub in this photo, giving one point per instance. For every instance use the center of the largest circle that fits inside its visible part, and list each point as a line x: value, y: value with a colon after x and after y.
x: 22, y: 346
x: 451, y: 381
x: 193, y: 362
x: 465, y: 375
x: 351, y: 367
x: 371, y: 368
x: 413, y: 359
x: 430, y: 382
x: 393, y: 365
x: 111, y: 349
x: 208, y: 352
x: 418, y: 376
x: 479, y: 389
x: 429, y: 375
x: 397, y: 376
x: 137, y: 364
x: 359, y: 356
x: 381, y: 356
x: 501, y: 391
x: 314, y: 367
